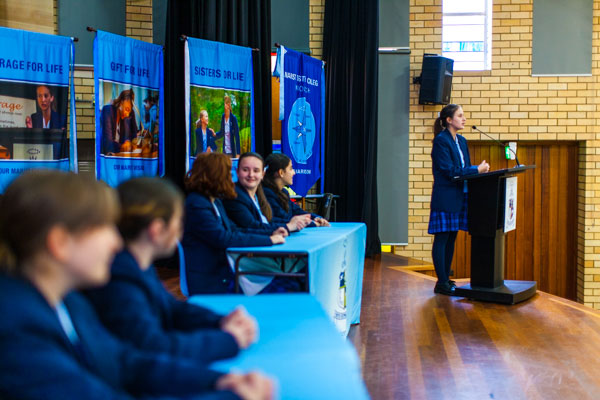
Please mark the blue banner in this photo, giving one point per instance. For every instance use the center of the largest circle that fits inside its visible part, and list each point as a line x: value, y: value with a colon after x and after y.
x: 302, y: 109
x: 129, y: 82
x: 36, y: 76
x: 219, y: 99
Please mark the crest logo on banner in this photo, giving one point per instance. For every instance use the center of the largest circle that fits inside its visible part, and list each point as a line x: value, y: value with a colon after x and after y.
x: 302, y: 109
x: 36, y: 78
x: 219, y: 99
x: 129, y: 82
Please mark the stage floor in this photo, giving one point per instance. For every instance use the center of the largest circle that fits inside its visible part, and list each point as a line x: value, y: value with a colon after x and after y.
x: 415, y: 344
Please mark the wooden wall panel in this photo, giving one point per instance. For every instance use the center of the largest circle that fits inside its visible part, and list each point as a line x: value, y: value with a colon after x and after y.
x: 544, y: 245
x: 31, y: 15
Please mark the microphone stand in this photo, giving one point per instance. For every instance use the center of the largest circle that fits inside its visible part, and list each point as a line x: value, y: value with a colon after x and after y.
x: 499, y: 143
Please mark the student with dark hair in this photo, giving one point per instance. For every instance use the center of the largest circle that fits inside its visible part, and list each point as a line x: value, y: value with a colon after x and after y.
x: 52, y: 344
x: 117, y: 121
x: 136, y: 307
x: 450, y: 158
x: 208, y: 231
x: 47, y: 117
x: 250, y: 209
x: 279, y: 174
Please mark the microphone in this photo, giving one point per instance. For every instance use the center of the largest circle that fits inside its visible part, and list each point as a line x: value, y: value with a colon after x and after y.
x: 500, y: 143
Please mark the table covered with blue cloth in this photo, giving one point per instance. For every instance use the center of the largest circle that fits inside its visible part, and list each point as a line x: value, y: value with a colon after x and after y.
x: 336, y: 257
x: 297, y: 344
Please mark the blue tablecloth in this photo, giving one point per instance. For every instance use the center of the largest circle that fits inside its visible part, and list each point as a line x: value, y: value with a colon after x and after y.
x: 336, y: 258
x: 297, y: 344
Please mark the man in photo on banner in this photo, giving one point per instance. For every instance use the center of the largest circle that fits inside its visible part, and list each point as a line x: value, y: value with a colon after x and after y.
x: 118, y: 124
x: 47, y: 117
x: 230, y: 131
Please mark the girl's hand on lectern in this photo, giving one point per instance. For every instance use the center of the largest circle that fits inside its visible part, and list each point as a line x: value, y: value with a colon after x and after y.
x: 483, y: 167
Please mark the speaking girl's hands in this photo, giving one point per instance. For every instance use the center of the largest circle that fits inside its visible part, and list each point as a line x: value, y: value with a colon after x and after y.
x: 483, y: 167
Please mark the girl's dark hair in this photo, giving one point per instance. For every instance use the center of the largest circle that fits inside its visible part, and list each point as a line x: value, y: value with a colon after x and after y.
x: 264, y: 205
x: 126, y: 94
x: 39, y: 200
x: 142, y: 201
x: 210, y: 175
x: 274, y: 163
x: 441, y: 123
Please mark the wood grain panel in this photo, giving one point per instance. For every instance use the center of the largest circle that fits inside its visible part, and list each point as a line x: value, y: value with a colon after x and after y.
x: 543, y: 247
x: 30, y: 15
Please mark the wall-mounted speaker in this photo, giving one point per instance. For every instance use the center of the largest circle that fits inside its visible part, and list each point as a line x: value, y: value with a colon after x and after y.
x: 436, y: 79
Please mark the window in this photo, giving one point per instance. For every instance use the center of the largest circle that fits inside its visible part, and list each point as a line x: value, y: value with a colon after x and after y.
x: 467, y: 34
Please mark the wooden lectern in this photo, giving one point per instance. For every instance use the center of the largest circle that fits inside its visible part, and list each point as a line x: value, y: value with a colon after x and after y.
x: 486, y: 219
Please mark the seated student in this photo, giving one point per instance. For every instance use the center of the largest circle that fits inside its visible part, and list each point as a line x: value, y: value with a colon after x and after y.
x: 250, y: 209
x: 208, y: 232
x: 136, y: 307
x: 279, y: 173
x: 52, y: 344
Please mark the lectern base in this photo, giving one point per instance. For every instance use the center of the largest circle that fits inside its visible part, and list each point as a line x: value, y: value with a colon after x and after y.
x: 510, y: 293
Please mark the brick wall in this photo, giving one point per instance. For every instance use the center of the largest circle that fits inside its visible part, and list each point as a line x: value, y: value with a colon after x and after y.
x: 316, y: 17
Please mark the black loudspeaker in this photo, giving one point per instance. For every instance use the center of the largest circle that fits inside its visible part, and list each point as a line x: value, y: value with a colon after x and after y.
x: 436, y: 79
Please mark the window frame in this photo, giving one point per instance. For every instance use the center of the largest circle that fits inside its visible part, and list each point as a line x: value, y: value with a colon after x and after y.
x: 487, y: 33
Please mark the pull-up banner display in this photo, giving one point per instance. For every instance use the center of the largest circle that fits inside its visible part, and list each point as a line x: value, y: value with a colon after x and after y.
x: 36, y: 74
x: 302, y: 109
x: 129, y: 81
x: 219, y: 99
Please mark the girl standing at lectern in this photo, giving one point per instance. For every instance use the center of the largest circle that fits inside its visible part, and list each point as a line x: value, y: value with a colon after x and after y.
x: 450, y: 158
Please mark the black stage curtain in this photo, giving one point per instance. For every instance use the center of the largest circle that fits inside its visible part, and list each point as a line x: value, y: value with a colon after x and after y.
x: 240, y: 22
x: 350, y: 49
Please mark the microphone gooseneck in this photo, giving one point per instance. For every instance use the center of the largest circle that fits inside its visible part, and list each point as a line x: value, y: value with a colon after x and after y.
x: 499, y: 143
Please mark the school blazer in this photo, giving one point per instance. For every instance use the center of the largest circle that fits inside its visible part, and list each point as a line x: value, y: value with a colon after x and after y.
x: 206, y: 237
x: 447, y: 195
x: 234, y: 131
x: 279, y: 213
x: 39, y: 361
x: 135, y: 307
x: 244, y: 213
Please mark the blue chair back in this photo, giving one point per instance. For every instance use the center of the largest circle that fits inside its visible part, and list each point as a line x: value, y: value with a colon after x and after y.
x: 182, y: 278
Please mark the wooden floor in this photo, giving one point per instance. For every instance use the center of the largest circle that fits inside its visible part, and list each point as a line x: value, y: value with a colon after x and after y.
x: 414, y: 344
x: 417, y: 345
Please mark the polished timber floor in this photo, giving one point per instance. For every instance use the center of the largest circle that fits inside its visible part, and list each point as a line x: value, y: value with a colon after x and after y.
x: 414, y: 344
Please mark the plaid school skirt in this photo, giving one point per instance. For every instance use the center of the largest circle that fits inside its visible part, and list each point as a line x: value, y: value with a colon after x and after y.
x: 441, y: 221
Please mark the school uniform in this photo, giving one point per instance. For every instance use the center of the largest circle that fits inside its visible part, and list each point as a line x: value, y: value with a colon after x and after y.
x: 208, y: 232
x: 64, y: 352
x: 245, y: 211
x: 279, y: 213
x: 135, y: 307
x: 450, y: 158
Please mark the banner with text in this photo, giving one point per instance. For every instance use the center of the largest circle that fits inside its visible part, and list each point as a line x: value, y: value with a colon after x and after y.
x: 302, y: 109
x: 219, y: 99
x: 36, y: 74
x: 129, y: 81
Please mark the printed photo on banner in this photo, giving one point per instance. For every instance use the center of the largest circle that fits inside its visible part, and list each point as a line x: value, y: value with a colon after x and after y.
x: 33, y: 121
x: 129, y: 120
x: 220, y: 121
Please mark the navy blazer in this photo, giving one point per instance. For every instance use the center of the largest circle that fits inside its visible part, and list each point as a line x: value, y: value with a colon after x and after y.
x: 135, y: 307
x: 243, y: 212
x: 57, y: 121
x: 210, y: 142
x: 40, y: 362
x: 279, y: 213
x: 234, y: 132
x: 447, y: 195
x: 108, y: 122
x: 206, y: 237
